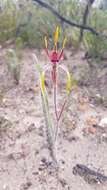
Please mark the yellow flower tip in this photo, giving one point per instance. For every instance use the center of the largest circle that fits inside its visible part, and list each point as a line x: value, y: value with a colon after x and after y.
x: 56, y: 36
x: 68, y: 86
x: 46, y: 42
x: 64, y: 42
x: 42, y: 78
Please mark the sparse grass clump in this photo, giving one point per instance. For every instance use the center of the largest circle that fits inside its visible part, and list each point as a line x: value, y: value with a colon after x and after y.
x: 13, y: 64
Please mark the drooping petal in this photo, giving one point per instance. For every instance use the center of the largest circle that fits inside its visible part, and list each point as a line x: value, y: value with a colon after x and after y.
x: 42, y: 78
x: 60, y: 55
x: 64, y: 42
x: 42, y: 81
x: 46, y: 42
x: 46, y: 45
x: 68, y: 84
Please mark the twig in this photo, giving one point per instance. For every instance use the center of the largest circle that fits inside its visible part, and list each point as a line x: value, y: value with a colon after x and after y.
x: 67, y: 21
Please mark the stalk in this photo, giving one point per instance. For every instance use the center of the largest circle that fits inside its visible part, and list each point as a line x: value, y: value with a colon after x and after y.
x: 49, y: 127
x: 47, y: 116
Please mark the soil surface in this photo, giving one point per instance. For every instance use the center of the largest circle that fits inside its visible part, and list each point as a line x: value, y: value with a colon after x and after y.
x: 25, y: 160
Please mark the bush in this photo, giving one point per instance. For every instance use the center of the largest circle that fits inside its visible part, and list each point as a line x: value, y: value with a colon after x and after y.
x: 31, y: 23
x: 96, y: 46
x: 13, y: 64
x: 8, y: 20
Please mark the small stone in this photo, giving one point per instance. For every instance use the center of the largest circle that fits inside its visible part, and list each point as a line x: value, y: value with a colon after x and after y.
x: 40, y: 168
x: 26, y: 186
x: 85, y: 131
x: 103, y: 122
x: 91, y: 121
x: 72, y: 139
x: 36, y: 152
x: 43, y: 160
x: 35, y: 173
x: 63, y: 182
x: 92, y: 130
x: 89, y: 130
x: 62, y: 161
x: 5, y: 187
x: 104, y: 137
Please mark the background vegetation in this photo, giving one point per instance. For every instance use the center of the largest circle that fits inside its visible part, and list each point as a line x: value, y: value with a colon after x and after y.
x: 25, y: 24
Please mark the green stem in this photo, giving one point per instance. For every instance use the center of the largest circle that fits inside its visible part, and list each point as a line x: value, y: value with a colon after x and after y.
x: 55, y: 101
x: 63, y: 106
x: 48, y: 127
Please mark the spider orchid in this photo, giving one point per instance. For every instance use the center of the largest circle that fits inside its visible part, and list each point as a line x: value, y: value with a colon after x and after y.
x: 55, y: 56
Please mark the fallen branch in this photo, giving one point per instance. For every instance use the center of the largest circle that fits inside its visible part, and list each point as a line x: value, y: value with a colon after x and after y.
x: 67, y: 21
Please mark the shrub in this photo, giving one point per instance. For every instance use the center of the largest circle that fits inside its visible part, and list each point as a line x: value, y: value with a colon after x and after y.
x: 13, y: 64
x: 96, y: 46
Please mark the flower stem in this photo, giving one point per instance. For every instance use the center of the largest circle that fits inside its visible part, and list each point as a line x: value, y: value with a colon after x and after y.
x: 62, y: 109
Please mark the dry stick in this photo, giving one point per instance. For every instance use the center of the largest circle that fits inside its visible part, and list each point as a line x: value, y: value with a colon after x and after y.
x: 67, y: 21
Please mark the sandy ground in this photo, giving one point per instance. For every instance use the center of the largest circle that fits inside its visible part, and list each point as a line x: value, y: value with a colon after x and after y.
x: 25, y: 161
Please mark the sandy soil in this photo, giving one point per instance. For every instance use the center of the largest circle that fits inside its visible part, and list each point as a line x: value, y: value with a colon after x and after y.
x: 25, y: 161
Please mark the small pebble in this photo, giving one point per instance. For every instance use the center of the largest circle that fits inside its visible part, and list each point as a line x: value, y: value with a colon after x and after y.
x: 92, y: 130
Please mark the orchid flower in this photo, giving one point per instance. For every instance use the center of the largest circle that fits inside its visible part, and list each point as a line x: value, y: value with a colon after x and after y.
x: 55, y: 56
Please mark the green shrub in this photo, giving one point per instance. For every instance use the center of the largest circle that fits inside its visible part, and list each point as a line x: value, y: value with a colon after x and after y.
x: 13, y: 64
x: 96, y: 46
x: 28, y: 24
x: 8, y: 20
